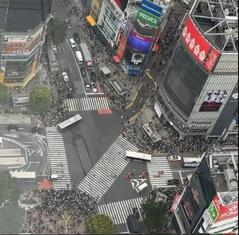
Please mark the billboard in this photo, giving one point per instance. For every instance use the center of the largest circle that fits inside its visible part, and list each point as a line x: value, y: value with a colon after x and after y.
x: 199, y: 47
x: 220, y: 212
x: 147, y: 19
x: 137, y: 58
x: 139, y: 43
x: 151, y: 8
x: 122, y: 46
x: 213, y: 101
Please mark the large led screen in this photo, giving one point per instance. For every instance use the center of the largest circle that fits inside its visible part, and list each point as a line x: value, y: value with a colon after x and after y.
x: 139, y: 43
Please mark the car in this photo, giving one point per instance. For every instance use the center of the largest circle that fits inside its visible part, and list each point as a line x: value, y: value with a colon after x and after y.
x: 93, y: 86
x: 72, y: 42
x: 36, y: 129
x: 173, y: 182
x: 87, y: 86
x: 13, y: 127
x: 65, y: 77
x: 93, y: 76
x: 174, y: 158
x: 76, y: 37
x: 83, y: 71
x: 68, y: 24
x: 54, y: 48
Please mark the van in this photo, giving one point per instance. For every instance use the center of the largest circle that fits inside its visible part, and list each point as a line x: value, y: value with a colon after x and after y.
x: 141, y: 187
x: 79, y: 57
x: 72, y: 42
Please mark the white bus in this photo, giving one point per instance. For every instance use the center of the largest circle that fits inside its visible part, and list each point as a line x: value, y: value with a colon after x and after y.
x: 137, y: 156
x: 191, y: 162
x: 69, y: 122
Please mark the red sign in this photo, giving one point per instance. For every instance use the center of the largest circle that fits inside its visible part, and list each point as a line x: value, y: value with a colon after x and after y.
x: 122, y: 46
x: 199, y: 47
x: 225, y: 211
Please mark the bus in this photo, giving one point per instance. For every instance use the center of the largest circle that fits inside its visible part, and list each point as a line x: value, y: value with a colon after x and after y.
x: 24, y: 175
x: 86, y: 54
x: 61, y: 126
x: 138, y: 156
x: 20, y: 101
x: 191, y: 162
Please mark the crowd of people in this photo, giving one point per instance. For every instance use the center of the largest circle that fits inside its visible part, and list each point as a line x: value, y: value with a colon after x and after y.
x: 135, y: 133
x: 59, y: 211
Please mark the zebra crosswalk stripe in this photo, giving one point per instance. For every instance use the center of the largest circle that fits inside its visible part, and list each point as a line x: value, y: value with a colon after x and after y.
x: 57, y: 157
x: 102, y: 175
x: 119, y: 211
x: 159, y: 164
x: 87, y: 104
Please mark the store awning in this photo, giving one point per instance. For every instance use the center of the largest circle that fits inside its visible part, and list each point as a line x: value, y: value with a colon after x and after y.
x: 116, y: 59
x: 91, y: 20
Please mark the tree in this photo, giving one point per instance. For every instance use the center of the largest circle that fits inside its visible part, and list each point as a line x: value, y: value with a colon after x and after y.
x: 9, y: 188
x: 155, y: 215
x: 57, y: 29
x: 4, y: 94
x: 101, y: 224
x: 40, y: 100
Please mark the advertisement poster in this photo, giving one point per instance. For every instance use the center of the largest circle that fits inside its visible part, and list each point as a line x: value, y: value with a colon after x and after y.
x: 139, y: 43
x: 122, y: 46
x: 151, y: 8
x: 137, y: 58
x: 199, y: 47
x: 219, y: 211
x: 213, y: 101
x: 147, y: 19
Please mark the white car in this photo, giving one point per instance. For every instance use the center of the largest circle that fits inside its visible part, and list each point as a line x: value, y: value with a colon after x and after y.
x: 65, y: 77
x: 54, y: 48
x: 72, y: 42
x: 174, y: 158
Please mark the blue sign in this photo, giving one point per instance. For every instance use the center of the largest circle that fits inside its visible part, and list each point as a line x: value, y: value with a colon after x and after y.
x: 151, y: 8
x: 139, y: 43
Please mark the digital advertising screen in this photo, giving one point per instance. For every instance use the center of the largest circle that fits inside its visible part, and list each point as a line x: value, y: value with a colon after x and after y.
x: 139, y: 43
x: 213, y: 101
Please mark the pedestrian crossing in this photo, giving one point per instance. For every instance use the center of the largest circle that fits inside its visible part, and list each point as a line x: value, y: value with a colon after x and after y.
x: 119, y: 211
x: 86, y: 104
x: 57, y: 157
x: 159, y: 164
x: 107, y: 169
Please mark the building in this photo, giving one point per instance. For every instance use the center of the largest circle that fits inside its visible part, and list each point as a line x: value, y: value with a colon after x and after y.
x: 209, y: 202
x: 23, y: 26
x: 142, y: 32
x: 129, y: 28
x: 198, y: 88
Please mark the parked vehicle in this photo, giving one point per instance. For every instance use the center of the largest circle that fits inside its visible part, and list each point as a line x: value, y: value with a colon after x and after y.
x: 93, y: 76
x: 79, y: 57
x: 83, y: 71
x: 76, y: 37
x: 173, y: 182
x: 174, y: 158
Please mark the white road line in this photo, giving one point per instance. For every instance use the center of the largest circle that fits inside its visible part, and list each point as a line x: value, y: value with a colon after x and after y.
x: 101, y: 177
x: 119, y: 211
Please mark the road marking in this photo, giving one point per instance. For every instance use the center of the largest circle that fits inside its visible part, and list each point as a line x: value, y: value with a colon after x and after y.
x: 119, y: 211
x: 99, y: 180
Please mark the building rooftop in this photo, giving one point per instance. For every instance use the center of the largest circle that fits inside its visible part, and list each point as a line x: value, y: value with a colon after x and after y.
x: 218, y: 21
x: 23, y: 15
x: 224, y: 170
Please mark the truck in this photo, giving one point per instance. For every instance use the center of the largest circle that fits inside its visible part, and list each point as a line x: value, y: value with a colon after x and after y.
x: 86, y: 54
